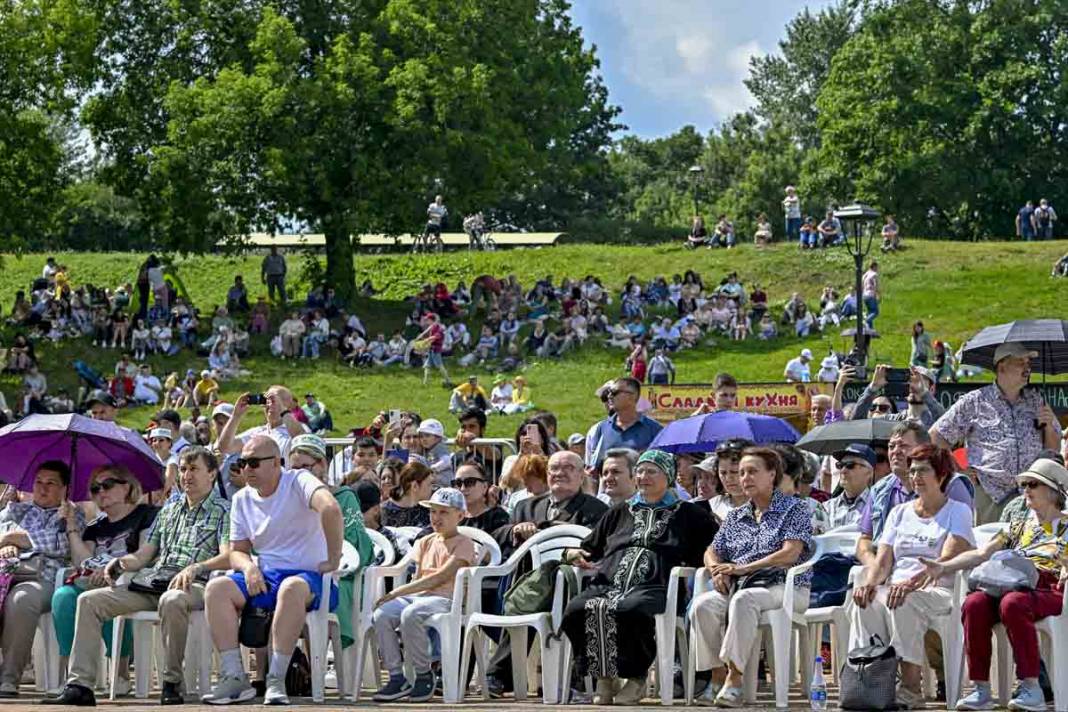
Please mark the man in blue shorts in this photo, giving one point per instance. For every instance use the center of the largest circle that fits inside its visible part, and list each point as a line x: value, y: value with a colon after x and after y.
x: 295, y: 527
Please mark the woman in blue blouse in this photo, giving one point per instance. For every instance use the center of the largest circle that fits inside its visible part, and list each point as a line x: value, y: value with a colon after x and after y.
x: 748, y: 560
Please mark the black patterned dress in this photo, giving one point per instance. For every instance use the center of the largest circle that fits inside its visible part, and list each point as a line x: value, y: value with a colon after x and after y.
x: 610, y: 625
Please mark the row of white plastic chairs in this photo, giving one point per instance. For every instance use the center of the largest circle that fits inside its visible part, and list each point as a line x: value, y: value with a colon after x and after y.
x: 462, y: 636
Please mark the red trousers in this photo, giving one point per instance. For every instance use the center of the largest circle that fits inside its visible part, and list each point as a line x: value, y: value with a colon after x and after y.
x: 1018, y: 611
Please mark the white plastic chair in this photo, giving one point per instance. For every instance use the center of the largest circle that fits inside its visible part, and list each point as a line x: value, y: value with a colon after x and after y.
x: 670, y: 630
x: 46, y: 655
x: 198, y: 651
x: 782, y: 621
x: 842, y: 540
x: 448, y: 625
x: 323, y: 627
x: 1053, y: 632
x: 545, y: 545
x: 362, y: 624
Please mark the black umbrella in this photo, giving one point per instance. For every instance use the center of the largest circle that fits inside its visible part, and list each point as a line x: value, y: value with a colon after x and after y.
x: 1049, y: 337
x: 830, y: 438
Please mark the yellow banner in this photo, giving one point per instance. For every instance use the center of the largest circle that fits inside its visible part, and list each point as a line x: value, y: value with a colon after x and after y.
x: 785, y: 400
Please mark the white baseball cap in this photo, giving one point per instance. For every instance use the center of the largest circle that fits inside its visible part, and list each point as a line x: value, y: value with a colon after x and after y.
x: 431, y: 426
x: 806, y: 353
x: 446, y: 497
x: 226, y: 409
x: 161, y: 433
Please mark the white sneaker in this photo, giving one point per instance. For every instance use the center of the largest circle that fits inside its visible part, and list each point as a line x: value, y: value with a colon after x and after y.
x: 275, y: 693
x: 229, y: 691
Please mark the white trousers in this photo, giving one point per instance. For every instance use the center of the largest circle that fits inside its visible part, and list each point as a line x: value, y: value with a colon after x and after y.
x: 724, y: 628
x: 905, y: 626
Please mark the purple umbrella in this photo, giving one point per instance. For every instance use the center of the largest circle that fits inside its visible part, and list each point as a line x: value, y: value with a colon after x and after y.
x: 82, y: 443
x: 702, y: 433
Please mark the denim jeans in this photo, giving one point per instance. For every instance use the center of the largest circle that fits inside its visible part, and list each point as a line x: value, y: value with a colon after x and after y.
x: 871, y: 305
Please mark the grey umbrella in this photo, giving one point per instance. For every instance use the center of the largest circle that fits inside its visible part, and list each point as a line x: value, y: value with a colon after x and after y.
x: 1049, y: 337
x: 830, y: 438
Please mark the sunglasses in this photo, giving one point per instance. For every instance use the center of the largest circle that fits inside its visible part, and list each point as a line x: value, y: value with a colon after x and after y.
x: 466, y: 482
x: 882, y: 408
x: 851, y: 465
x: 1030, y: 484
x: 104, y: 485
x: 616, y: 393
x: 732, y: 446
x: 252, y: 463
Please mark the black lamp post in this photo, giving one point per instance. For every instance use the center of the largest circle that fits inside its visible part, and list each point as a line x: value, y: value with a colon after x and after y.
x: 695, y: 178
x: 860, y: 218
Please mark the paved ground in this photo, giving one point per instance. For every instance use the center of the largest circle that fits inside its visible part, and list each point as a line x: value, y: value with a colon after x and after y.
x: 29, y: 701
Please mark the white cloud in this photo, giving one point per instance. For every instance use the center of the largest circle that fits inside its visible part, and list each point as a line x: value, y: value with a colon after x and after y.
x: 674, y: 62
x: 683, y: 54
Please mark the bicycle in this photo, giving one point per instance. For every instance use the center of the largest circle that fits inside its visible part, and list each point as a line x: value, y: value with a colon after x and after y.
x: 478, y: 234
x: 429, y: 241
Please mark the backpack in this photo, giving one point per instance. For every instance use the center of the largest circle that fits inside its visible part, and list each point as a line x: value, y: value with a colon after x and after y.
x: 869, y: 677
x: 298, y: 676
x: 830, y: 580
x: 533, y: 591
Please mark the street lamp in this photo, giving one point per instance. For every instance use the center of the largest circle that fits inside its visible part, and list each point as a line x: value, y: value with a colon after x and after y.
x: 695, y: 178
x: 861, y: 218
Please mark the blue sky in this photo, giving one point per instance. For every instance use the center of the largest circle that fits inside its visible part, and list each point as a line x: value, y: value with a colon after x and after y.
x: 669, y: 63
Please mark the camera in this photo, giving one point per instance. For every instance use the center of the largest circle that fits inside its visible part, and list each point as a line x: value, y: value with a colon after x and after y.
x: 257, y: 399
x: 897, y: 382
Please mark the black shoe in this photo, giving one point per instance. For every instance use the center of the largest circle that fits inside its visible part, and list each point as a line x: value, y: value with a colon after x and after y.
x: 73, y: 695
x: 940, y: 691
x: 171, y: 694
x: 495, y: 688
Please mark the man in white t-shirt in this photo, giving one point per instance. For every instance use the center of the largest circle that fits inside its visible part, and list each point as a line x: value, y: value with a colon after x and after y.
x: 293, y: 523
x: 797, y: 369
x: 281, y: 425
x: 435, y: 215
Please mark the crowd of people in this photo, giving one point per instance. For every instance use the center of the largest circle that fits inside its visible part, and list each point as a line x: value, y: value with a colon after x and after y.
x: 744, y: 513
x: 494, y: 325
x: 807, y: 232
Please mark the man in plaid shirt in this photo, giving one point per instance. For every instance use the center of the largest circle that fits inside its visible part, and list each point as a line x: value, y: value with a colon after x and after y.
x: 33, y: 539
x: 189, y: 538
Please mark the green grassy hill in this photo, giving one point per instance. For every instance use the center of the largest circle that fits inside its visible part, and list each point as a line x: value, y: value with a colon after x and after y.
x: 954, y: 288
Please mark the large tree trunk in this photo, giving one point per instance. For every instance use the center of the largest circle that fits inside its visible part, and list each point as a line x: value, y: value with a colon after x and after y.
x: 340, y: 273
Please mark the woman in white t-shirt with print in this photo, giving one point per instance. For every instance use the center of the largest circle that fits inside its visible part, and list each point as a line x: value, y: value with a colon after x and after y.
x: 895, y: 599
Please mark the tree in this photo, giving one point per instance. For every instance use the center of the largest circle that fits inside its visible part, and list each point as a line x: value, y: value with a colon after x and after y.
x: 947, y: 114
x: 350, y: 115
x: 786, y: 85
x: 45, y: 55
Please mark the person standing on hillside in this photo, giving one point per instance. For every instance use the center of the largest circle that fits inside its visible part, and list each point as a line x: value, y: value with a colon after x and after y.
x: 1025, y: 227
x: 273, y: 274
x: 871, y: 293
x: 1043, y: 219
x: 791, y: 206
x: 436, y: 213
x: 434, y: 334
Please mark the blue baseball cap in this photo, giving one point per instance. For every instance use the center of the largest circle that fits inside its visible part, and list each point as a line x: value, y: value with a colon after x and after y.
x: 860, y: 450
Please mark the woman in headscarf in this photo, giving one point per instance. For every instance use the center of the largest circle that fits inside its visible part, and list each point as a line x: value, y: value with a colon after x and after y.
x: 633, y: 549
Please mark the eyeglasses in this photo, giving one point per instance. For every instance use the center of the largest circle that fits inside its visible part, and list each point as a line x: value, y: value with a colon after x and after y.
x: 1030, y: 484
x: 252, y: 463
x: 466, y: 482
x: 104, y: 485
x: 851, y: 465
x: 882, y: 408
x: 617, y: 392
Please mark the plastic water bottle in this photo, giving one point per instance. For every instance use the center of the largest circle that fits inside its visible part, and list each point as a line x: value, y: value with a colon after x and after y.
x: 817, y: 693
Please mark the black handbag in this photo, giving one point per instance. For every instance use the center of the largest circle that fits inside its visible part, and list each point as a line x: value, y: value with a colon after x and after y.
x: 155, y: 581
x: 868, y: 678
x: 254, y: 630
